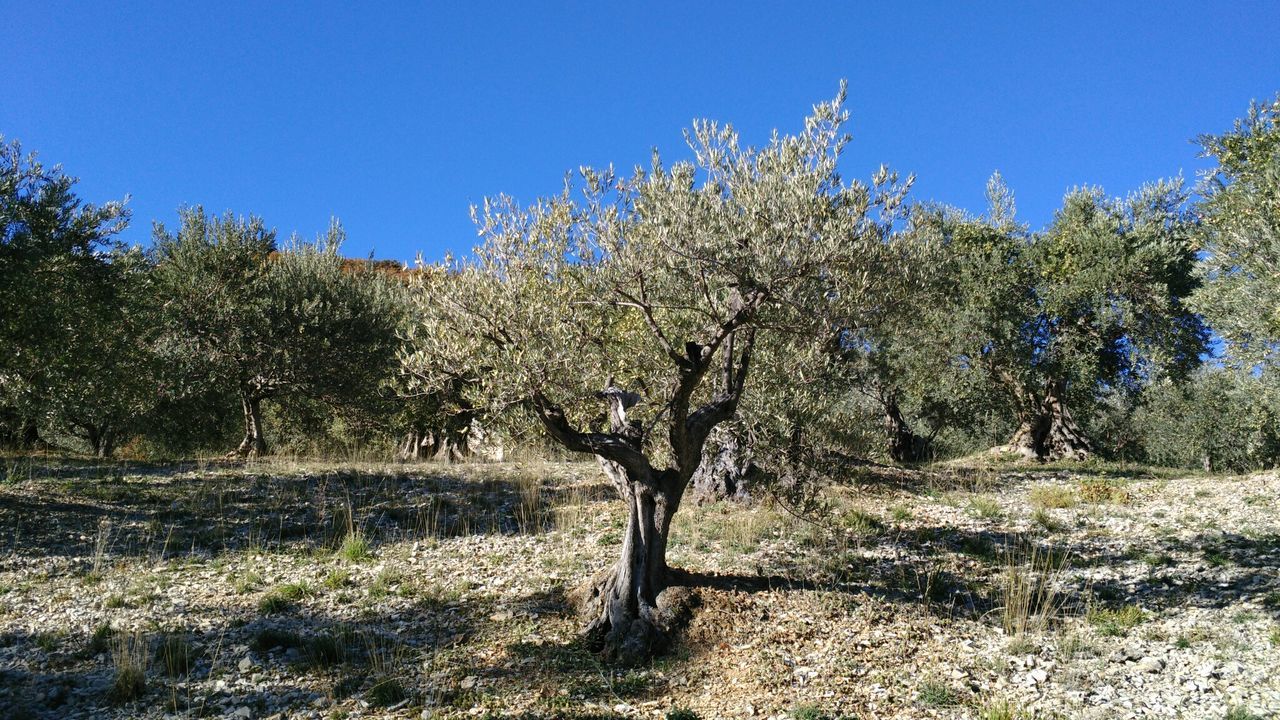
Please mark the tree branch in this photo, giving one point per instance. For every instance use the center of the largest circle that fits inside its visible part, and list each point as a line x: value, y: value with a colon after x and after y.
x: 608, y: 446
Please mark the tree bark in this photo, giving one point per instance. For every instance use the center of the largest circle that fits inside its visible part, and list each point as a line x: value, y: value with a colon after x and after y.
x: 418, y: 445
x: 904, y: 444
x: 101, y: 440
x: 630, y: 609
x: 727, y: 471
x: 449, y: 445
x: 628, y: 616
x: 255, y: 441
x: 1047, y: 431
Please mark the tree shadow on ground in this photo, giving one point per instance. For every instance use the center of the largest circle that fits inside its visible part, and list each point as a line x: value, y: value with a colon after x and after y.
x: 230, y: 664
x: 186, y: 509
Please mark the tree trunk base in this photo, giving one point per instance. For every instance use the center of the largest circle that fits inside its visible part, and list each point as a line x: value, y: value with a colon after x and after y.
x: 426, y: 444
x: 631, y: 636
x: 255, y: 440
x: 1051, y: 434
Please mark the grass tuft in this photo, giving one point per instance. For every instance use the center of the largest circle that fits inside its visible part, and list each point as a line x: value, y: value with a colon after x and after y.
x: 985, y: 507
x: 129, y: 658
x: 1031, y: 588
x: 1051, y: 497
x: 1117, y: 622
x: 1000, y: 710
x: 936, y: 694
x: 355, y: 547
x: 176, y: 656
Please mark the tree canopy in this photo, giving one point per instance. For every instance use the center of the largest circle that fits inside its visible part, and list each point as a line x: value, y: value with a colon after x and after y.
x: 267, y: 322
x: 1240, y: 227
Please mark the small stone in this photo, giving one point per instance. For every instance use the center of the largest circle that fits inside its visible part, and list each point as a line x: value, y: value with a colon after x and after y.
x: 1038, y: 676
x: 1150, y: 664
x: 245, y: 664
x: 1125, y: 655
x: 242, y: 712
x: 468, y: 682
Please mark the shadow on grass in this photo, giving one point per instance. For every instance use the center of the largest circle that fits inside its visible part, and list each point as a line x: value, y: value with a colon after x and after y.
x: 231, y: 664
x: 78, y: 512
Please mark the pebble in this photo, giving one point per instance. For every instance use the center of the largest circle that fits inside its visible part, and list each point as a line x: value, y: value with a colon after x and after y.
x: 1150, y: 665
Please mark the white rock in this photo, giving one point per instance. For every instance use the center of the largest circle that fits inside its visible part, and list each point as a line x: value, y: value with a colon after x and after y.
x: 1150, y: 664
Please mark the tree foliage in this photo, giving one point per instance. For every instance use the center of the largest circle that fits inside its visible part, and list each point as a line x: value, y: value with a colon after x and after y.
x: 53, y: 257
x: 1240, y: 227
x: 268, y: 323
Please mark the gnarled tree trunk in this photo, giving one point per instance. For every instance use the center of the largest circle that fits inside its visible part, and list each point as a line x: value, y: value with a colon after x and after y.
x: 450, y: 441
x: 727, y: 471
x: 904, y: 444
x: 102, y: 440
x: 631, y: 612
x: 254, y: 443
x: 628, y: 616
x: 449, y: 444
x: 1046, y: 430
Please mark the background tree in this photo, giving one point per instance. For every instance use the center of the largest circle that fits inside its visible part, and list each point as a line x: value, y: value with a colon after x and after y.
x: 1094, y: 304
x: 1240, y: 228
x: 1219, y: 420
x: 909, y: 359
x: 437, y: 422
x: 270, y: 324
x: 1113, y: 278
x: 105, y: 381
x: 53, y: 250
x: 652, y: 296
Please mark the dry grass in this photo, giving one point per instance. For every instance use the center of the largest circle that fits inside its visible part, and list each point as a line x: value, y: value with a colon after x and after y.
x: 1100, y: 490
x: 129, y: 659
x: 1051, y: 497
x: 529, y: 511
x: 386, y: 663
x: 1031, y: 588
x: 100, y: 543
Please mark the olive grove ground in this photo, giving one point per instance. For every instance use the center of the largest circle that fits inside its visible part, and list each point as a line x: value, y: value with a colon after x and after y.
x: 278, y: 589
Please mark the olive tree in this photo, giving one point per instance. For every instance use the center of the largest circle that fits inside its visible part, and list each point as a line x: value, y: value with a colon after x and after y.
x: 1240, y: 228
x: 627, y: 320
x: 104, y: 382
x: 268, y: 323
x: 53, y: 263
x: 1112, y: 279
x: 1050, y: 322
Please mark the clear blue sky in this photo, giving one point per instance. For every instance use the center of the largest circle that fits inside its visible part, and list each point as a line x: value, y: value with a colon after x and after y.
x: 397, y: 118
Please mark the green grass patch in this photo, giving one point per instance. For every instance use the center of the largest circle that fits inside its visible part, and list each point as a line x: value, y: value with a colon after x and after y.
x: 1051, y: 497
x: 355, y: 547
x: 985, y: 507
x: 1116, y: 622
x: 936, y: 694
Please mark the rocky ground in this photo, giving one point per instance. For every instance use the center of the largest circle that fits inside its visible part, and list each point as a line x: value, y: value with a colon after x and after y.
x: 285, y: 590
